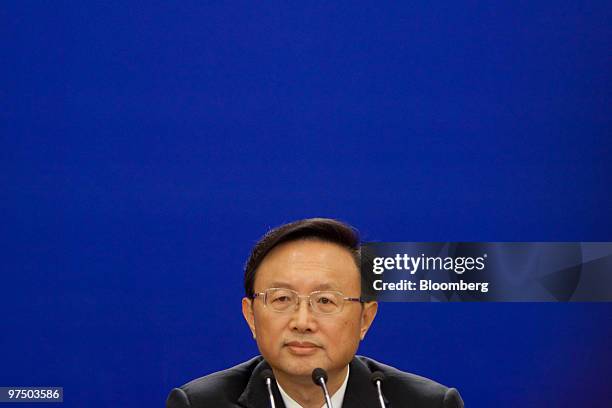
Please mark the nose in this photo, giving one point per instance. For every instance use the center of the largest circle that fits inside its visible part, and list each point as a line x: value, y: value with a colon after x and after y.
x: 302, y: 319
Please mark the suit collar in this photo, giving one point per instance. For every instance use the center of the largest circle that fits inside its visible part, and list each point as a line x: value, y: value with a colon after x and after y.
x: 256, y: 394
x: 360, y: 392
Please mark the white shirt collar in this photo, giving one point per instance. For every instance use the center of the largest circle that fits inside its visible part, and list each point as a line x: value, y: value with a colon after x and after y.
x: 336, y: 399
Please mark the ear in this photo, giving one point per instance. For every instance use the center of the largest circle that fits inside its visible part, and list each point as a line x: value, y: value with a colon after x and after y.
x: 367, y: 317
x: 247, y: 312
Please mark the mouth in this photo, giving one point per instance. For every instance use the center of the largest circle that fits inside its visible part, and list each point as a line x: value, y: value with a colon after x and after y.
x: 302, y: 348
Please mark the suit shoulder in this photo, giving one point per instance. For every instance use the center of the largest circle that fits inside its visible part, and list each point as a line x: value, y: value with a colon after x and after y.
x: 396, y: 375
x: 220, y: 388
x: 401, y: 386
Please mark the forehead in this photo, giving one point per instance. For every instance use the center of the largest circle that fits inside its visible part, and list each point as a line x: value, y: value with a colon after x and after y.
x: 308, y: 265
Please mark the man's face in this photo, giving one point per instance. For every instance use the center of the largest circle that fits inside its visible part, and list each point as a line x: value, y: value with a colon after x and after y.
x: 297, y: 341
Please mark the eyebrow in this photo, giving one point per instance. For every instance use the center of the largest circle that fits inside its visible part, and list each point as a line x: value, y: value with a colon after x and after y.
x: 323, y: 286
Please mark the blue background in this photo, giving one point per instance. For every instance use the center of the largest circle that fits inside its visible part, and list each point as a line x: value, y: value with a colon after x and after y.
x: 145, y: 148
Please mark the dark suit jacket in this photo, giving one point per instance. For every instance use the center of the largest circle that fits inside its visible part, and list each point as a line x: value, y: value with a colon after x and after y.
x: 242, y: 386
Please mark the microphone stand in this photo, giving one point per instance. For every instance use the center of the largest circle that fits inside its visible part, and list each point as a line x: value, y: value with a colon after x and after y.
x: 319, y: 376
x: 268, y: 376
x: 377, y: 377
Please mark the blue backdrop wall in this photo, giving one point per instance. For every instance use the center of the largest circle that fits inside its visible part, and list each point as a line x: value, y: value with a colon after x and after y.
x: 145, y: 148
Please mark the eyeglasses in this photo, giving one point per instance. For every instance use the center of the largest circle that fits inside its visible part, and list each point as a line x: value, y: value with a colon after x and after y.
x: 323, y: 302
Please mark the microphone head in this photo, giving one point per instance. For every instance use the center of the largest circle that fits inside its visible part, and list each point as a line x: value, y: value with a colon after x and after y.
x: 267, y: 373
x: 377, y: 376
x: 318, y: 374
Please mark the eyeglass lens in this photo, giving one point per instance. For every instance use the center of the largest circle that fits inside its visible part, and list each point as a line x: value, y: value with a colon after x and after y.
x: 322, y: 302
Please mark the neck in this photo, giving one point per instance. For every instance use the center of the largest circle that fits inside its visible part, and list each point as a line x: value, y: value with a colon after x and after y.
x: 304, y: 391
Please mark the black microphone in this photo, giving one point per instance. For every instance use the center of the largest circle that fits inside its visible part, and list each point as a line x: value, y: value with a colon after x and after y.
x: 319, y: 376
x: 377, y: 378
x: 268, y: 377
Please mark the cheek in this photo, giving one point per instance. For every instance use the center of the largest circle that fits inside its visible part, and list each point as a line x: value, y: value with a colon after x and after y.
x: 269, y: 331
x: 354, y: 330
x: 343, y: 332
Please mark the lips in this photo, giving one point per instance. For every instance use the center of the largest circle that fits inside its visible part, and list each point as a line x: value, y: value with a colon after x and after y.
x: 302, y: 348
x: 301, y: 344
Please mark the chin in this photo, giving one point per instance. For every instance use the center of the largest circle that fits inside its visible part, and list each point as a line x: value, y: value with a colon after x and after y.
x: 299, y: 370
x: 301, y: 366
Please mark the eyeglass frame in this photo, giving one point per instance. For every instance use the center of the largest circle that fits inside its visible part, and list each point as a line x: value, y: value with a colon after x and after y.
x: 263, y: 295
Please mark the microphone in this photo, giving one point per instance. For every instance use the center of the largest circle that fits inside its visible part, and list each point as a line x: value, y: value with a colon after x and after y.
x: 268, y: 377
x: 377, y: 378
x: 319, y: 376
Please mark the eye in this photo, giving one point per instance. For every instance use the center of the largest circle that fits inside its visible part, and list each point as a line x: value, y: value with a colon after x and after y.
x: 324, y: 300
x: 281, y: 299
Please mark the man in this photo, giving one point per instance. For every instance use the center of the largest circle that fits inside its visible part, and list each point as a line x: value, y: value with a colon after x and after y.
x: 307, y: 308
